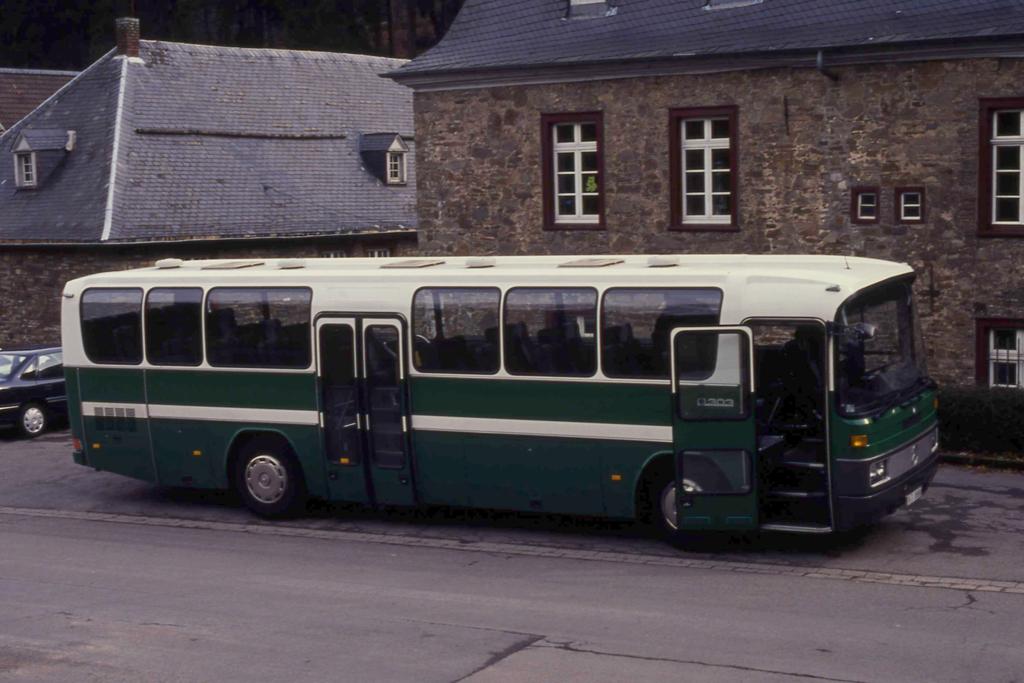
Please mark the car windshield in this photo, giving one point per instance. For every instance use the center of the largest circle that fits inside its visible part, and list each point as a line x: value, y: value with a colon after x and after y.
x: 9, y: 362
x: 881, y: 360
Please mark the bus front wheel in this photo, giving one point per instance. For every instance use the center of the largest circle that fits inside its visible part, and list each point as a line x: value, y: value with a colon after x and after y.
x: 269, y: 479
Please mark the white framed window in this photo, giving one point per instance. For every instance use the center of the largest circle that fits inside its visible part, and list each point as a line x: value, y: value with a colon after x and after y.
x: 576, y: 171
x: 378, y: 252
x: 1007, y: 190
x: 707, y: 170
x: 25, y: 169
x: 865, y: 205
x: 1006, y: 357
x: 910, y: 204
x: 396, y: 168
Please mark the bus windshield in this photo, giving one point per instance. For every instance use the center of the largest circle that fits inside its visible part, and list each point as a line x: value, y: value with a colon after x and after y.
x: 880, y: 359
x: 9, y: 362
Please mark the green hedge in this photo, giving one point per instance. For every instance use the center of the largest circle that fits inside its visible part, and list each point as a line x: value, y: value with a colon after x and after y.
x: 982, y: 420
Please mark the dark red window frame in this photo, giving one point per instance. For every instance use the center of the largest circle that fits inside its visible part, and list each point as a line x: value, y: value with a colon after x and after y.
x: 898, y: 199
x: 547, y: 124
x: 987, y: 108
x: 982, y: 329
x: 855, y: 194
x: 675, y: 162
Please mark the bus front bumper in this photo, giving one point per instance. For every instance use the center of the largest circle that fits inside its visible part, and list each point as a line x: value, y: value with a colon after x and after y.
x: 856, y: 511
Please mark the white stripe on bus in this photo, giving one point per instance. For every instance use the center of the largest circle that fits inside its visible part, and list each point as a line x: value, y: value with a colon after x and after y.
x: 553, y: 428
x: 430, y: 423
x: 222, y: 414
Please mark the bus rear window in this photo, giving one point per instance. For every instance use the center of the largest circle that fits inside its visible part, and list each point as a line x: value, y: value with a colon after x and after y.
x: 173, y: 322
x: 258, y: 328
x: 551, y: 331
x: 456, y: 329
x: 636, y: 325
x: 112, y: 325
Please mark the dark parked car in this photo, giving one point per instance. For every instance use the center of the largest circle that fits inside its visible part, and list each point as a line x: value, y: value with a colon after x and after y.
x: 32, y: 392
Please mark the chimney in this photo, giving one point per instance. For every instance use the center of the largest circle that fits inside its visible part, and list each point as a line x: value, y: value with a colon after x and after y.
x: 127, y: 36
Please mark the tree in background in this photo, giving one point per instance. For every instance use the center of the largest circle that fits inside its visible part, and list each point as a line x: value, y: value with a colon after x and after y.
x: 70, y: 34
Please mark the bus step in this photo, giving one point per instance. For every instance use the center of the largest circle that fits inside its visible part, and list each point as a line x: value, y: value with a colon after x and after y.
x: 803, y: 464
x: 796, y: 494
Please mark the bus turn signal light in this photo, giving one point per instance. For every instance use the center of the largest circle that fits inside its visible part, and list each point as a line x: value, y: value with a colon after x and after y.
x: 616, y: 477
x: 344, y: 461
x: 859, y: 440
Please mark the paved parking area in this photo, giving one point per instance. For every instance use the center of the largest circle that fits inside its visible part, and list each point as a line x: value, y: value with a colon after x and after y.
x: 970, y: 525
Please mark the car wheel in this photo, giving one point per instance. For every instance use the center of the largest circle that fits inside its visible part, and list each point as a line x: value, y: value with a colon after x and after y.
x: 33, y: 420
x: 269, y: 479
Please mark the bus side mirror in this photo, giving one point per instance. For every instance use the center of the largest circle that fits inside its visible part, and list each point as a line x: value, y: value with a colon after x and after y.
x: 863, y: 331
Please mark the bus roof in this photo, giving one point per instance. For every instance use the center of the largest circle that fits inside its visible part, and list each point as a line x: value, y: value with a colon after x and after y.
x: 754, y: 285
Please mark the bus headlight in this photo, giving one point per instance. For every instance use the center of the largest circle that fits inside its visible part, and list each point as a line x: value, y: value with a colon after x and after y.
x: 878, y: 472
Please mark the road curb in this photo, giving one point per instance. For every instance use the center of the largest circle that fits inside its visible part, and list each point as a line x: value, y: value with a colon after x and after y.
x: 982, y: 461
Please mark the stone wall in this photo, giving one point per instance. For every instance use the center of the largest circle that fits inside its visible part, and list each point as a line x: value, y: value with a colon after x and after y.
x: 804, y: 142
x: 33, y: 278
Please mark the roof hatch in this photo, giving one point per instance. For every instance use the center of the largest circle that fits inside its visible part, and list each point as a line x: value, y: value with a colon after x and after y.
x: 414, y: 263
x: 590, y: 263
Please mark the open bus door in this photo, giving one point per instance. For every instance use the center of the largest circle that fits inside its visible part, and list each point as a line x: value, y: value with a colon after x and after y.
x: 713, y: 428
x: 363, y: 409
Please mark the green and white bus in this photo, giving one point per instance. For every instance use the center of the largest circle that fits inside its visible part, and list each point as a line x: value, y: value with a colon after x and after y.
x: 701, y: 392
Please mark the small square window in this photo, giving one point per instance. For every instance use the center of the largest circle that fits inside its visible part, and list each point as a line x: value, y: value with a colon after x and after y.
x: 378, y: 252
x: 864, y: 205
x: 695, y: 130
x: 1004, y: 374
x: 1004, y: 340
x: 909, y: 204
x: 1008, y: 124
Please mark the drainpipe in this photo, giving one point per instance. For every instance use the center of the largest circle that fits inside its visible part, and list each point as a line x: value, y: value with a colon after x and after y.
x: 832, y: 75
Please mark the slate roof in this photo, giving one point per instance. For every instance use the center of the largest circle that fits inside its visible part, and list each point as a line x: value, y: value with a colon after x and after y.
x: 22, y: 90
x: 212, y: 143
x: 534, y: 33
x: 45, y: 138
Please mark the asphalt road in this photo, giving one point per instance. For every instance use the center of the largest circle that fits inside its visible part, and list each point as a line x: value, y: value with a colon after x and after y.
x: 106, y: 579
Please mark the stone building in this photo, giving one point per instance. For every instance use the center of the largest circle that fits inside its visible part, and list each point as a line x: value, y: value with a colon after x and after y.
x: 170, y: 150
x: 22, y: 90
x: 863, y: 127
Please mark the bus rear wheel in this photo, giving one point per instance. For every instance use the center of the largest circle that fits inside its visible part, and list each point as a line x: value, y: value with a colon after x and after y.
x: 269, y: 479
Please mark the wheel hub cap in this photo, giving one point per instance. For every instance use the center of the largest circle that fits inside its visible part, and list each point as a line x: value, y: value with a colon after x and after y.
x: 669, y: 507
x: 266, y: 479
x: 33, y: 420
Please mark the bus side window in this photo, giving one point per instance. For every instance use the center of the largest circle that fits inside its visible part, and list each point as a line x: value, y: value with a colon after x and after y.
x: 258, y: 327
x: 636, y: 325
x: 112, y: 325
x: 173, y: 326
x: 455, y: 329
x: 543, y: 331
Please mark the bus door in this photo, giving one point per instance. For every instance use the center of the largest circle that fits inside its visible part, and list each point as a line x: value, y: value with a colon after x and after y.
x: 363, y: 410
x: 713, y: 429
x: 385, y: 411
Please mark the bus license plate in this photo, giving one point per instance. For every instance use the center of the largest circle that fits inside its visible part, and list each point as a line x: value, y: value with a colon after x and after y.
x: 914, y: 496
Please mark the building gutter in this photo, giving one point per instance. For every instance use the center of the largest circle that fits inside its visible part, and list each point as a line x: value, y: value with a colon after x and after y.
x: 202, y: 242
x: 561, y: 72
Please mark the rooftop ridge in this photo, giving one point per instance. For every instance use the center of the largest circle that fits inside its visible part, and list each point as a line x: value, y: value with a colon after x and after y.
x: 37, y: 72
x: 272, y: 51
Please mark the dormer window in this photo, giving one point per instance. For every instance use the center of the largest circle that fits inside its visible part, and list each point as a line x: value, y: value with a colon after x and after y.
x: 25, y: 169
x: 386, y: 155
x: 396, y: 168
x: 38, y: 152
